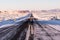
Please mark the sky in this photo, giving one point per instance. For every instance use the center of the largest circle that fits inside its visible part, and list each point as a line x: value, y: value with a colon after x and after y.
x: 29, y: 4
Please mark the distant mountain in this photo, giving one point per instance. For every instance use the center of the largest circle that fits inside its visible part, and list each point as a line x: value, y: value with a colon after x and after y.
x: 54, y: 10
x: 43, y: 10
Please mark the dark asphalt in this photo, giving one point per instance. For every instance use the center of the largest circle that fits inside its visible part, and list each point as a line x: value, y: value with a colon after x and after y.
x: 20, y: 32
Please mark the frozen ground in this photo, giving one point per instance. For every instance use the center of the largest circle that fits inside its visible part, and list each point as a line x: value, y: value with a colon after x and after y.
x: 43, y: 29
x: 45, y: 18
x: 57, y: 27
x: 52, y: 23
x: 13, y: 22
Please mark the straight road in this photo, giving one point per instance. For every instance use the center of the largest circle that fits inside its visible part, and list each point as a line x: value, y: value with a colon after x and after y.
x: 29, y: 30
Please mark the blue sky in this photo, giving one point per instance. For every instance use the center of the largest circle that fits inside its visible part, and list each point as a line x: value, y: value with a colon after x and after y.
x: 29, y: 4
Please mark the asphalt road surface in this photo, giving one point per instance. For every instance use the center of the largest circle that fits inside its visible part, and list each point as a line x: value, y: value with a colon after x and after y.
x: 29, y: 31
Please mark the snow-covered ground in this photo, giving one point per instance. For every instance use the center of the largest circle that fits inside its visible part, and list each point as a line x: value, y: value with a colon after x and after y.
x: 52, y: 23
x: 45, y: 18
x: 6, y: 15
x: 6, y: 25
x: 13, y: 22
x: 55, y: 26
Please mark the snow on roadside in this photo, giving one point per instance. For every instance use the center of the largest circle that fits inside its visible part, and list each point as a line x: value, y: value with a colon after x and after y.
x: 11, y: 22
x: 53, y: 23
x: 6, y: 25
x: 55, y: 26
